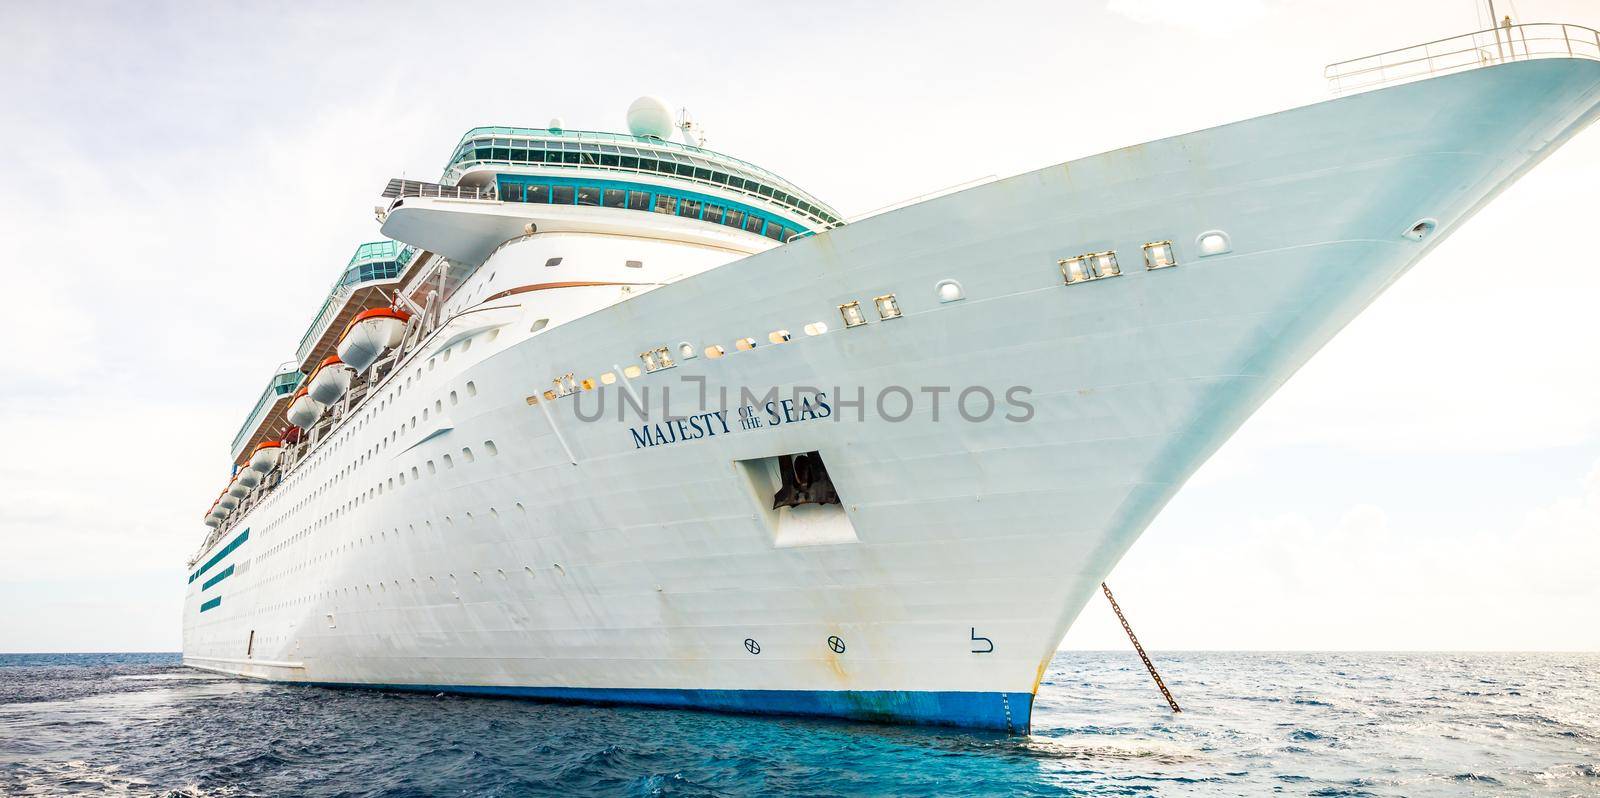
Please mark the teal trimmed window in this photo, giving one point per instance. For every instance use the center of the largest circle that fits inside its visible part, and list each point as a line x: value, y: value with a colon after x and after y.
x: 212, y: 604
x: 221, y: 575
x: 218, y: 557
x: 641, y: 197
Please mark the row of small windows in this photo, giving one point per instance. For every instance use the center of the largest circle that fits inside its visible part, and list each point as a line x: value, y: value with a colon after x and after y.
x: 592, y: 155
x: 654, y: 201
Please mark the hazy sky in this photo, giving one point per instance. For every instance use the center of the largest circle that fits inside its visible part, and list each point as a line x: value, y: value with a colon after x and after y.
x: 182, y: 182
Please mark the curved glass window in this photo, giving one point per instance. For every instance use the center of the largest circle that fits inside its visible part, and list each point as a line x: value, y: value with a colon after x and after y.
x: 632, y: 196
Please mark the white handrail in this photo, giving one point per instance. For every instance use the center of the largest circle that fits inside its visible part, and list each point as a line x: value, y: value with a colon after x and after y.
x: 1468, y: 51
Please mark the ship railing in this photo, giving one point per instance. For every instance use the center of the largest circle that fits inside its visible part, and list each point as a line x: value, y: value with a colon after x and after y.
x: 399, y: 189
x: 1482, y: 48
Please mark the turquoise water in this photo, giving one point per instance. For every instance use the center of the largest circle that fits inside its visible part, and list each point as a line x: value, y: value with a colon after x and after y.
x: 1254, y: 723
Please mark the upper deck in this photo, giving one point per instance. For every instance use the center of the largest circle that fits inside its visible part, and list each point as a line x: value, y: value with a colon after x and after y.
x: 646, y: 155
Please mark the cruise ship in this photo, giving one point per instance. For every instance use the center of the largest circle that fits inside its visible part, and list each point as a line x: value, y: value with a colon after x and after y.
x: 612, y: 417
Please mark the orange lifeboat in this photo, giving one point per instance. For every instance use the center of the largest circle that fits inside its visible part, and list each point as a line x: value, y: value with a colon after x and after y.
x: 329, y: 380
x: 265, y: 456
x: 371, y: 333
x: 304, y: 411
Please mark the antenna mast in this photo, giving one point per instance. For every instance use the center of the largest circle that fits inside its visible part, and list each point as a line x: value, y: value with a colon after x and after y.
x: 692, y: 131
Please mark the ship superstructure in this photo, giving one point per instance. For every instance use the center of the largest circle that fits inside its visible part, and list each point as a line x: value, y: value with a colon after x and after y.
x: 610, y: 417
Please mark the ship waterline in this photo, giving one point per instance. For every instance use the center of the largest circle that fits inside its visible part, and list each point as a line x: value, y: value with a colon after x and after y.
x: 472, y: 526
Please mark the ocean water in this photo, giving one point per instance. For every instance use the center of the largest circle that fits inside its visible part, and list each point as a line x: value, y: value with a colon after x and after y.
x: 1314, y: 724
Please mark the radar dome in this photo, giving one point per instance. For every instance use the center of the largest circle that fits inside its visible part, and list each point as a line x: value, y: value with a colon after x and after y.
x: 650, y: 116
x: 555, y: 124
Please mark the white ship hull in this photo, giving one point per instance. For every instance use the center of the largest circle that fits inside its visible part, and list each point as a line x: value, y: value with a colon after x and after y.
x: 609, y: 560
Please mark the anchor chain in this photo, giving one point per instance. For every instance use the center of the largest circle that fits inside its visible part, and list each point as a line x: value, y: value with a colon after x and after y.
x: 1171, y: 702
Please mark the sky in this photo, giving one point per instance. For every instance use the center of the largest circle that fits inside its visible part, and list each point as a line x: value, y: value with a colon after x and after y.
x: 183, y: 182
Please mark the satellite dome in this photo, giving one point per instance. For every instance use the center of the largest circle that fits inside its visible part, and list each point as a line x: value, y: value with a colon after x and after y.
x: 555, y: 124
x: 650, y: 116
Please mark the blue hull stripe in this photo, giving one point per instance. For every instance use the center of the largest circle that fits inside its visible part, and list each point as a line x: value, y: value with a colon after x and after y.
x: 226, y: 550
x: 221, y: 575
x: 1008, y: 712
x: 216, y: 602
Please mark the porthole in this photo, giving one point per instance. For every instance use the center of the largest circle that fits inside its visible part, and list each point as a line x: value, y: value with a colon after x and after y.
x: 472, y: 389
x: 713, y: 351
x: 489, y: 447
x: 539, y: 325
x: 432, y: 469
x: 1421, y: 229
x: 1213, y: 242
x: 686, y: 351
x: 851, y: 312
x: 949, y: 291
x: 635, y: 264
x: 631, y: 371
x: 778, y: 336
x: 888, y: 307
x: 745, y: 344
x: 552, y: 262
x: 453, y: 399
x: 816, y: 328
x: 448, y: 463
x: 608, y: 378
x: 466, y: 454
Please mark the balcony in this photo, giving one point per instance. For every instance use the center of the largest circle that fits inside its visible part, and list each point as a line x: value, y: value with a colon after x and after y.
x: 1460, y: 53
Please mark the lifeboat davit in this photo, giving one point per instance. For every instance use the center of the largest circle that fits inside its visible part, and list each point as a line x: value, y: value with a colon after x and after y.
x: 265, y: 457
x: 304, y: 411
x: 369, y: 334
x: 329, y: 380
x: 248, y: 477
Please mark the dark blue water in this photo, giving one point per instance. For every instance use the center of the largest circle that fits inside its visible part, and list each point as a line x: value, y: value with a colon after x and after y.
x: 1293, y: 724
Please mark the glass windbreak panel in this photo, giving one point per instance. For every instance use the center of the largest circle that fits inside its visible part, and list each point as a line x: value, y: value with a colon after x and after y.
x: 519, y: 155
x: 753, y: 223
x: 765, y: 191
x: 664, y: 167
x: 736, y: 182
x: 630, y: 162
x: 719, y: 177
x: 481, y: 153
x: 536, y: 156
x: 588, y: 195
x: 647, y: 164
x: 713, y: 213
x: 774, y: 231
x: 639, y: 200
x: 685, y: 170
x: 665, y: 203
x: 538, y: 194
x: 702, y: 174
x: 569, y: 157
x: 734, y: 218
x: 511, y: 192
x: 614, y: 198
x: 689, y: 208
x: 589, y: 158
x: 561, y: 195
x: 607, y: 159
x: 502, y: 154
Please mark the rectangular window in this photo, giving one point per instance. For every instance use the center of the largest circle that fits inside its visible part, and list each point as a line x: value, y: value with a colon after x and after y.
x: 502, y: 154
x: 666, y: 203
x: 713, y: 214
x: 734, y: 218
x: 569, y: 157
x: 753, y: 223
x: 511, y: 192
x: 647, y: 164
x: 562, y: 195
x: 774, y: 231
x: 630, y: 162
x: 607, y: 159
x: 689, y: 208
x: 614, y: 198
x: 536, y: 156
x: 588, y: 195
x: 639, y: 200
x: 519, y: 155
x: 537, y: 194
